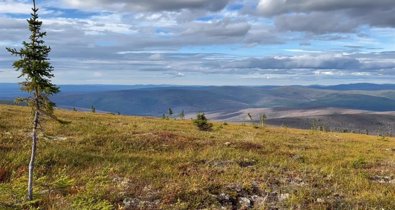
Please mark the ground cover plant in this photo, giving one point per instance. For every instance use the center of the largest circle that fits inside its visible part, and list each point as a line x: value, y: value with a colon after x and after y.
x: 105, y: 161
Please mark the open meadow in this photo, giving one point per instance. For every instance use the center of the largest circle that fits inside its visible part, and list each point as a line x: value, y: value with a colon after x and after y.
x: 104, y: 161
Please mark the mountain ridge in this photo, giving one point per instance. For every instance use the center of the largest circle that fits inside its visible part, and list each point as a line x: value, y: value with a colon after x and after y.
x: 227, y: 103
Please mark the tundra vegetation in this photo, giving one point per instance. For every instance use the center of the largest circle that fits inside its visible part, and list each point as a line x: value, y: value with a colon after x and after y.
x: 104, y: 161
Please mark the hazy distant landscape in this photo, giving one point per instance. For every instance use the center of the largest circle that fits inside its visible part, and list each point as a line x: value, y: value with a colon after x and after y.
x: 361, y: 108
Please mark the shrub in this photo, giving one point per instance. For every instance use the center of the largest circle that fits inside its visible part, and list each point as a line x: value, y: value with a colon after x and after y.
x: 359, y: 163
x: 91, y: 203
x: 202, y: 123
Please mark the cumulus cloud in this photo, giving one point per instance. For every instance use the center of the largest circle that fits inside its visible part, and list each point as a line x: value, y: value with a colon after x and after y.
x: 12, y: 6
x: 276, y: 7
x: 223, y: 28
x: 316, y: 22
x: 150, y: 40
x: 10, y: 29
x: 328, y: 16
x: 314, y: 62
x: 148, y: 5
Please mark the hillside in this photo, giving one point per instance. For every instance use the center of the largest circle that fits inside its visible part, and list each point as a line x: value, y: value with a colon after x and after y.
x: 156, y: 101
x: 103, y: 161
x: 151, y: 100
x: 330, y: 119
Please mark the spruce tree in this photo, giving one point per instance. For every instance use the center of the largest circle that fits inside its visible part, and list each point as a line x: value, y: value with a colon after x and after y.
x: 35, y: 68
x: 202, y: 123
x: 182, y: 115
x: 262, y: 119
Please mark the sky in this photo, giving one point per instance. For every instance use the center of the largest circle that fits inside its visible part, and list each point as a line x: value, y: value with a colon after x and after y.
x: 208, y: 42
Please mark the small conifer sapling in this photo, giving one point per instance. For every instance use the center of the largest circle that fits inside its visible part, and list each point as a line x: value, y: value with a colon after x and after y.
x: 182, y: 115
x: 202, y: 122
x: 35, y: 68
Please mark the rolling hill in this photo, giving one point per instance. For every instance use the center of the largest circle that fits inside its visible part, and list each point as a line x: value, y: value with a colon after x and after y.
x: 104, y: 161
x: 228, y: 103
x: 329, y: 119
x: 155, y: 101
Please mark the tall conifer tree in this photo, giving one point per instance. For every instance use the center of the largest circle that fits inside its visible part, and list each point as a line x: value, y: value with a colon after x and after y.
x: 35, y: 68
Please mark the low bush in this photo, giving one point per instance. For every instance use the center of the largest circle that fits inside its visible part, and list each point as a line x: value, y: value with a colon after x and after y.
x: 202, y: 122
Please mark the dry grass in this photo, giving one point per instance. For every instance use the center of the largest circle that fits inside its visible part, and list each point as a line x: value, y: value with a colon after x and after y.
x: 103, y: 161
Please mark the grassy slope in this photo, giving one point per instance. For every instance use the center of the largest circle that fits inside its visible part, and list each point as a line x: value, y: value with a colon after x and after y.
x: 101, y: 160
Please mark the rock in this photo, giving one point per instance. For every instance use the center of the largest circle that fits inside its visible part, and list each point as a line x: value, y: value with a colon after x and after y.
x: 272, y: 197
x: 284, y: 196
x: 244, y: 203
x: 124, y: 183
x: 383, y: 179
x: 135, y: 203
x: 131, y: 203
x: 121, y: 182
x: 149, y: 204
x: 259, y: 201
x: 224, y: 197
x: 147, y: 188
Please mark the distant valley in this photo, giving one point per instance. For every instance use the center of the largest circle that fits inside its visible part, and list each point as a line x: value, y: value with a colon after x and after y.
x: 362, y: 108
x: 325, y: 119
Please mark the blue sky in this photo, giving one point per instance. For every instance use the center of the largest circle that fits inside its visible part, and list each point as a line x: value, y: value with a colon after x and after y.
x: 205, y: 42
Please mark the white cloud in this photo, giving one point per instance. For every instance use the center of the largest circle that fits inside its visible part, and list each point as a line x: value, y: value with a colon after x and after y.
x: 11, y: 6
x: 156, y: 56
x: 328, y: 16
x: 144, y: 5
x: 180, y: 38
x: 97, y: 74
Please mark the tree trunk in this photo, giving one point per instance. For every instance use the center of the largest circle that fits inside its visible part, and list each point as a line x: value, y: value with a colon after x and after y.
x: 33, y: 155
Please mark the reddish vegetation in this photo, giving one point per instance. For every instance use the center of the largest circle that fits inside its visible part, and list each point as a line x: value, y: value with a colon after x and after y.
x: 166, y: 136
x: 5, y: 175
x: 249, y: 146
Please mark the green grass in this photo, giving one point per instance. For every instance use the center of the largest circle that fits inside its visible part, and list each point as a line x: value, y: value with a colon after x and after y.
x: 103, y: 161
